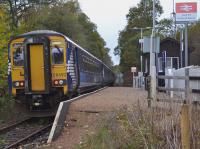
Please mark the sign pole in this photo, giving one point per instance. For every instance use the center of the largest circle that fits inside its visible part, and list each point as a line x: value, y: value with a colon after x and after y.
x: 152, y: 59
x: 186, y: 45
x: 141, y: 58
x: 181, y: 48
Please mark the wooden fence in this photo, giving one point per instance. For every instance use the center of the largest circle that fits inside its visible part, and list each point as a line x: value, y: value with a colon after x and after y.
x: 185, y: 119
x: 187, y: 90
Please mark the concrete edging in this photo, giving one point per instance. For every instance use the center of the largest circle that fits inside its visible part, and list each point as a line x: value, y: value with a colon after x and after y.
x: 60, y: 117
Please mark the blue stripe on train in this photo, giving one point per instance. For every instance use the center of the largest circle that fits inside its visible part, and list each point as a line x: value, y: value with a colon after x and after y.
x: 69, y: 77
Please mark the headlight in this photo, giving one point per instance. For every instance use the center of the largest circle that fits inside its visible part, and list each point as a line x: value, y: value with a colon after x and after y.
x: 21, y: 83
x: 56, y: 82
x: 61, y: 82
x: 16, y: 84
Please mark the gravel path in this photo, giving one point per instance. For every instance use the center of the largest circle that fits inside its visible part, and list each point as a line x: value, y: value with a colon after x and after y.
x: 85, y: 114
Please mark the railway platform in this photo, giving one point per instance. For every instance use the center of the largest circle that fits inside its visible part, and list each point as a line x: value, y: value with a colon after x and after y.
x: 86, y: 114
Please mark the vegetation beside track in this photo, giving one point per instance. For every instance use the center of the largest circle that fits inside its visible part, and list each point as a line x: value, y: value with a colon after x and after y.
x: 6, y: 108
x: 66, y: 17
x: 140, y: 127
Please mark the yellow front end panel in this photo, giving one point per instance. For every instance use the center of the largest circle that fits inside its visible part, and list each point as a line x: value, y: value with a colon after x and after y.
x: 17, y: 71
x: 37, y: 68
x: 59, y: 71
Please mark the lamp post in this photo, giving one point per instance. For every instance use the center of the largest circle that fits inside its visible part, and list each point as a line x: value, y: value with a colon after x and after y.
x: 141, y: 42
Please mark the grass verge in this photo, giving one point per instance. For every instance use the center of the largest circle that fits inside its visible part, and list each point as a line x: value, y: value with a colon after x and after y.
x: 6, y: 105
x: 138, y: 127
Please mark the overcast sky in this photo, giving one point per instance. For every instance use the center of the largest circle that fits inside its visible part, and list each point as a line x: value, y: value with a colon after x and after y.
x: 110, y: 17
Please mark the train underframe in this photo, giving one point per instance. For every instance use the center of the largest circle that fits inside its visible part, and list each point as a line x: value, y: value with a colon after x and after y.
x: 39, y: 102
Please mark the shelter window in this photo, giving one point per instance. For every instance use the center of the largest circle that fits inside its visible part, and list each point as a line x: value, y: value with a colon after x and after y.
x: 172, y: 62
x: 57, y: 55
x: 18, y: 55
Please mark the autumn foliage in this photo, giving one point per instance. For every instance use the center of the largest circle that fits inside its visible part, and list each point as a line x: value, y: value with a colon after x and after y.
x: 66, y: 17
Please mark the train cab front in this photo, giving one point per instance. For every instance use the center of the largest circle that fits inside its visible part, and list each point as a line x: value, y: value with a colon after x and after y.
x: 38, y: 70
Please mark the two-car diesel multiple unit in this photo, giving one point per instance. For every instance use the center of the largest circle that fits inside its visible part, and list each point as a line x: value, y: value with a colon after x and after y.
x: 45, y: 66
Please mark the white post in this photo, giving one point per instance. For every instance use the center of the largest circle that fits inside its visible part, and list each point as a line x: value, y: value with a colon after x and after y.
x: 171, y: 82
x: 133, y: 70
x: 133, y: 81
x: 186, y: 45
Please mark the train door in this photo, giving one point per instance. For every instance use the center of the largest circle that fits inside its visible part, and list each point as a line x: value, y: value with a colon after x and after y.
x: 37, y: 75
x: 37, y: 65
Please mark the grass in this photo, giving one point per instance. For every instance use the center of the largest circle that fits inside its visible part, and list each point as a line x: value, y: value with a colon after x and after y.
x: 2, y: 141
x: 6, y: 105
x: 138, y: 127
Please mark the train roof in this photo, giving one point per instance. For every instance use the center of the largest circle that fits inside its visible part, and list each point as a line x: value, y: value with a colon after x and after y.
x: 39, y: 32
x: 50, y: 32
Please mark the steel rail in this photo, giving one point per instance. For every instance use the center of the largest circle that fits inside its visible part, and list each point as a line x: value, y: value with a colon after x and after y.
x: 7, y: 128
x: 17, y: 143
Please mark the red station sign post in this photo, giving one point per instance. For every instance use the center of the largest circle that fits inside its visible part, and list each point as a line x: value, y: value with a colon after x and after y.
x: 186, y: 12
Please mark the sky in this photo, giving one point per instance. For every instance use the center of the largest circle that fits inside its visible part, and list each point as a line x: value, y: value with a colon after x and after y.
x: 110, y: 17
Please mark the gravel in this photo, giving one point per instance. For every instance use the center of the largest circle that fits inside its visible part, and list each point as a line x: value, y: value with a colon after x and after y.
x: 86, y: 114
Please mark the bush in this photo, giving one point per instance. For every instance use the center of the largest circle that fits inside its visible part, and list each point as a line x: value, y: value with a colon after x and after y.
x: 6, y: 105
x: 124, y: 130
x: 140, y: 127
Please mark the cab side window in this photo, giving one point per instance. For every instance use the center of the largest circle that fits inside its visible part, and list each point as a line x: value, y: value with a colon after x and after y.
x: 18, y: 56
x: 57, y: 55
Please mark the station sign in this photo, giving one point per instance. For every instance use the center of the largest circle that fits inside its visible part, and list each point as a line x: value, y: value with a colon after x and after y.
x: 186, y: 12
x: 140, y: 41
x: 133, y: 69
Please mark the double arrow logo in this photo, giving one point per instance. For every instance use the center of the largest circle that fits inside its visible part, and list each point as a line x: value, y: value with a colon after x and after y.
x: 190, y: 7
x: 186, y: 8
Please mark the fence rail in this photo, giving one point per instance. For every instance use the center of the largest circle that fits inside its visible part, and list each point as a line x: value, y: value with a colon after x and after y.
x: 172, y: 77
x: 170, y: 87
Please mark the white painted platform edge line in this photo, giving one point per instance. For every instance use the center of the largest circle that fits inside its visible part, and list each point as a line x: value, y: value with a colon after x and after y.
x: 55, y: 123
x: 50, y: 138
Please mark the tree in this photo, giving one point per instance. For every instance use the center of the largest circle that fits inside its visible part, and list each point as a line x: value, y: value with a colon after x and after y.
x: 17, y: 8
x: 19, y: 16
x: 193, y: 40
x: 4, y: 38
x: 166, y: 28
x: 67, y: 18
x: 128, y: 46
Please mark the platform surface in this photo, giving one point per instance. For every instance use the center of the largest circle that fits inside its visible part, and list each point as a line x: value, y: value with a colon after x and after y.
x: 85, y: 114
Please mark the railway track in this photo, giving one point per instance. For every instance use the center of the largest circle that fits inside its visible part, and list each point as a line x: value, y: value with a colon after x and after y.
x: 23, y: 132
x: 28, y: 130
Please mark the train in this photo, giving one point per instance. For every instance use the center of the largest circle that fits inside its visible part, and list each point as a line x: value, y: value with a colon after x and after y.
x: 45, y: 67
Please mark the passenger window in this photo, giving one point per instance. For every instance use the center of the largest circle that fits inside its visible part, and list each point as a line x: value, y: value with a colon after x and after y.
x: 18, y: 55
x: 57, y: 55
